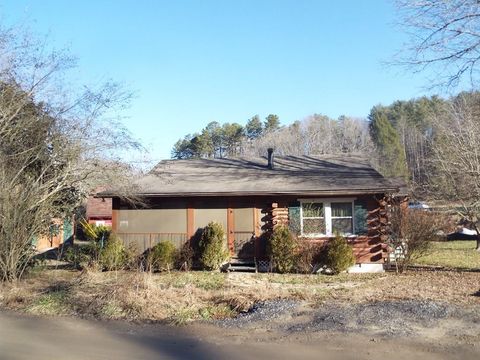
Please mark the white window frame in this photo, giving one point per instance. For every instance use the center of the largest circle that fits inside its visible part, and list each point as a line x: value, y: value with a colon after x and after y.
x: 327, y: 213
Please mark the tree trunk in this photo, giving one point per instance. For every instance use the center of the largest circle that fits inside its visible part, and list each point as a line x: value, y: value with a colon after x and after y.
x: 478, y: 238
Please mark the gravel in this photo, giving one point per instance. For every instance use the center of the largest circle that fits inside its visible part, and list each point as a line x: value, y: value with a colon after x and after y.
x: 382, y: 317
x: 263, y: 311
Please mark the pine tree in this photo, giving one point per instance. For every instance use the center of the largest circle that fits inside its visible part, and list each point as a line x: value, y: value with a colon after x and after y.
x: 392, y: 155
x: 254, y: 128
x: 271, y: 123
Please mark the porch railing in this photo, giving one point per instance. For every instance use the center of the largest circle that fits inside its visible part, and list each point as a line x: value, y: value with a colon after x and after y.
x: 148, y: 240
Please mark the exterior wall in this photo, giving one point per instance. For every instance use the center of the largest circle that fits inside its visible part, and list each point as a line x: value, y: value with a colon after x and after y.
x: 99, y: 209
x: 368, y: 243
x: 203, y: 216
x: 247, y: 221
x: 152, y: 221
x: 61, y: 232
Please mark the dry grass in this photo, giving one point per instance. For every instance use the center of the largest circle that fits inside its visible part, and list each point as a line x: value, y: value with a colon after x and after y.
x: 181, y: 297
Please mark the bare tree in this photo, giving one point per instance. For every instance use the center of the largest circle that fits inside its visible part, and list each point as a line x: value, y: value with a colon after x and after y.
x: 410, y: 233
x: 317, y: 134
x: 455, y: 167
x: 54, y: 143
x: 444, y: 35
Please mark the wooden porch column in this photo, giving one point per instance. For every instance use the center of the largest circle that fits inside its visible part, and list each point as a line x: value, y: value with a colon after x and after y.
x: 230, y: 230
x: 256, y: 231
x: 115, y: 221
x: 190, y: 222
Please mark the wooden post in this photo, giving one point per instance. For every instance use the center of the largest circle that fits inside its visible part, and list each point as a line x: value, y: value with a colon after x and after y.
x: 256, y: 230
x: 190, y: 222
x: 230, y: 231
x: 115, y: 220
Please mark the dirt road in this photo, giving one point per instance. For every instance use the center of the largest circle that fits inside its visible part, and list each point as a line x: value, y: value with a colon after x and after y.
x: 25, y: 337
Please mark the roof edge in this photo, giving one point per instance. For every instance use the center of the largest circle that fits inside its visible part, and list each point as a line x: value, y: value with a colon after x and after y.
x: 259, y: 193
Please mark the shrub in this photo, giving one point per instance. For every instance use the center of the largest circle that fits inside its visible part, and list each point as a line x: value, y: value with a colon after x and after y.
x: 282, y: 248
x: 412, y: 233
x: 185, y: 257
x: 339, y: 255
x: 132, y: 257
x: 78, y: 256
x: 94, y: 232
x: 113, y: 256
x: 213, y: 252
x: 310, y: 254
x: 162, y: 256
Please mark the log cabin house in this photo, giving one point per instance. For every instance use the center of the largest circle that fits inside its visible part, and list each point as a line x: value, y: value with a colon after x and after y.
x: 316, y: 196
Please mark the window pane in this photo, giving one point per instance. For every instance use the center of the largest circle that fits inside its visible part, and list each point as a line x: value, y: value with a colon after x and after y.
x: 312, y: 209
x: 314, y: 226
x: 341, y: 209
x: 342, y: 226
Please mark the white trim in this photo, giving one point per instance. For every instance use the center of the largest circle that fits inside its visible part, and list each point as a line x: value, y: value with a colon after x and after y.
x: 366, y: 268
x: 327, y: 212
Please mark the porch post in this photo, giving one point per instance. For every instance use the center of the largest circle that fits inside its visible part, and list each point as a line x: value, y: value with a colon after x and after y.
x: 230, y: 230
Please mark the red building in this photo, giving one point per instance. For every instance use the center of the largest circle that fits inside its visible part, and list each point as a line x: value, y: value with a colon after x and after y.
x: 99, y: 211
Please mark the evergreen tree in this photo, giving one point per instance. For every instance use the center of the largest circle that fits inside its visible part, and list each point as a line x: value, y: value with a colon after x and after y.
x: 271, y: 123
x: 253, y: 129
x: 232, y: 135
x: 392, y: 155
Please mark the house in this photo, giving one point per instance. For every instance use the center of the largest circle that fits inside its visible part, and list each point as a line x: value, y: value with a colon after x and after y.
x: 316, y: 196
x: 98, y: 211
x: 60, y: 232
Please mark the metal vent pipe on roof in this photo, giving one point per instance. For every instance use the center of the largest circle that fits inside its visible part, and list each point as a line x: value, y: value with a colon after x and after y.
x: 270, y: 158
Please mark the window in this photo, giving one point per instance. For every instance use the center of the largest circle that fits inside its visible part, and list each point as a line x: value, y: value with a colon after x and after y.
x: 326, y: 217
x: 313, y: 218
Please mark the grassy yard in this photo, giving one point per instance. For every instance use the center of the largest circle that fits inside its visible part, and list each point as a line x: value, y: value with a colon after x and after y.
x: 181, y: 297
x: 453, y: 254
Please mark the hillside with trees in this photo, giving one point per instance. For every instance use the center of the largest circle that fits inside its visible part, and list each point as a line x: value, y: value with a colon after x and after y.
x: 401, y: 139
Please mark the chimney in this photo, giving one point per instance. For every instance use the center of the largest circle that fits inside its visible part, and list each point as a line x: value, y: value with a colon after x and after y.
x: 270, y: 158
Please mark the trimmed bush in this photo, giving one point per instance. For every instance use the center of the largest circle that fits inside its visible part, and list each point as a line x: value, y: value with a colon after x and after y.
x: 339, y: 255
x: 213, y: 252
x: 162, y: 256
x: 113, y: 256
x: 282, y: 248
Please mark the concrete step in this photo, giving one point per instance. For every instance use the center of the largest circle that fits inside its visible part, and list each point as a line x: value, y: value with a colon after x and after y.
x: 246, y: 265
x: 242, y: 268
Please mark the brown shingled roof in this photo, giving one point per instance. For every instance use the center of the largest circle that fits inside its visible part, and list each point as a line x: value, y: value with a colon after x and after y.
x: 296, y: 175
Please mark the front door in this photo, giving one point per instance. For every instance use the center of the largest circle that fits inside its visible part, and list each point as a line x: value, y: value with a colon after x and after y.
x: 243, y: 233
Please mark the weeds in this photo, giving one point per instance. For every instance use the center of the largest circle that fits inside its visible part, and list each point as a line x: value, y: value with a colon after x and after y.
x: 52, y: 303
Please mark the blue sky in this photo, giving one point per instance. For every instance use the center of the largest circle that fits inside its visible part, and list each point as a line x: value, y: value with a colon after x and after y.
x: 195, y: 61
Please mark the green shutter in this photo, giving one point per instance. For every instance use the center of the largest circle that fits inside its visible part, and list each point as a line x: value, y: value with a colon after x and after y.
x: 294, y: 217
x: 67, y: 230
x: 360, y: 217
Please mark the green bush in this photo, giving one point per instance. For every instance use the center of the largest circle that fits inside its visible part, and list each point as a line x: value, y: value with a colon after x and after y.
x: 339, y: 255
x: 78, y: 256
x: 213, y: 252
x: 94, y: 232
x: 162, y: 256
x: 113, y: 256
x: 282, y: 248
